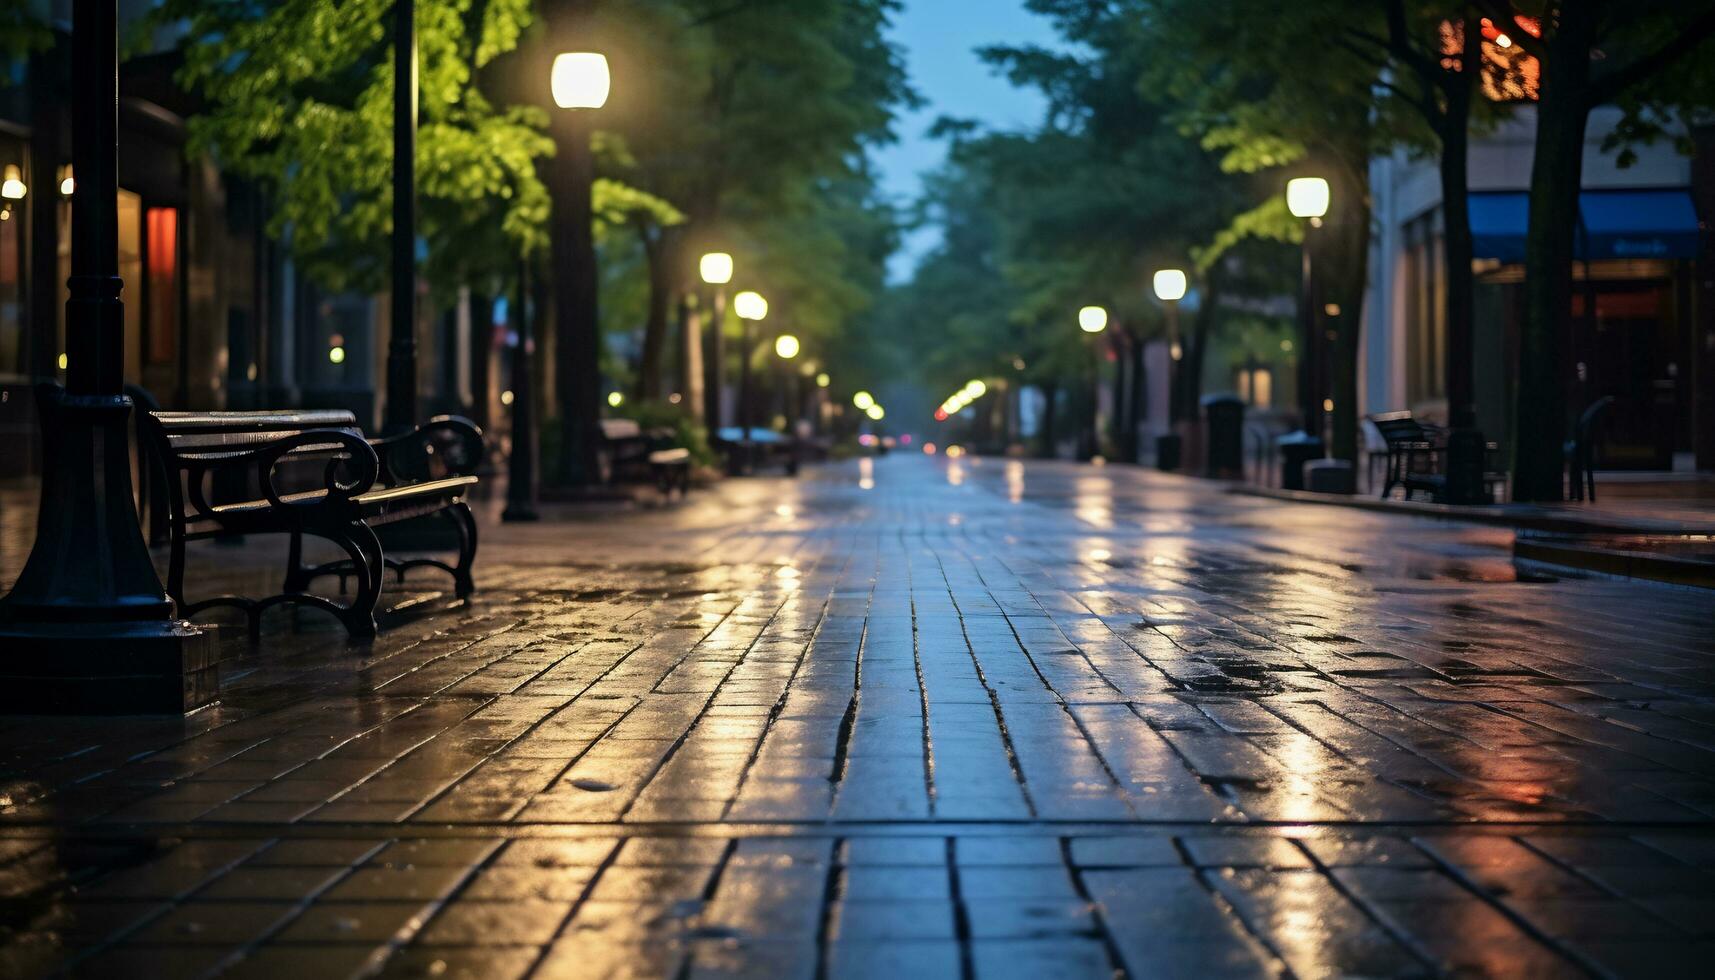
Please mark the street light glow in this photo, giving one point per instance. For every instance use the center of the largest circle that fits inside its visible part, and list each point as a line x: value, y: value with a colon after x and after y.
x: 580, y: 80
x: 615, y: 399
x: 716, y: 268
x: 822, y: 380
x: 976, y: 389
x: 336, y: 355
x: 750, y: 305
x: 876, y: 412
x: 786, y: 346
x: 863, y: 400
x: 12, y: 188
x: 1092, y: 319
x: 1307, y: 197
x: 1170, y: 285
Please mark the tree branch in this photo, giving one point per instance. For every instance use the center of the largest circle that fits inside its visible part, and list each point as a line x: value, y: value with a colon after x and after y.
x: 1686, y: 40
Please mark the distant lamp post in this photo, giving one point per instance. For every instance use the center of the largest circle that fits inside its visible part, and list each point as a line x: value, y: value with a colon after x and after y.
x: 862, y: 401
x: 1170, y: 287
x: 703, y: 374
x: 751, y: 308
x: 1308, y: 198
x: 580, y: 82
x: 67, y: 183
x: 822, y: 380
x: 786, y: 346
x: 1093, y: 320
x: 521, y: 481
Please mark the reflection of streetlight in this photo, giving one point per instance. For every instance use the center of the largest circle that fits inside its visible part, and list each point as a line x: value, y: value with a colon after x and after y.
x: 1307, y: 198
x: 579, y: 81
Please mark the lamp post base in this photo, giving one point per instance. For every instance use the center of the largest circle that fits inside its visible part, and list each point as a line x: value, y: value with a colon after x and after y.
x: 1464, y: 467
x: 123, y: 668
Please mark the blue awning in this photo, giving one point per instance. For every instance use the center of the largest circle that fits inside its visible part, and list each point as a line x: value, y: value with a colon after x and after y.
x: 1646, y: 224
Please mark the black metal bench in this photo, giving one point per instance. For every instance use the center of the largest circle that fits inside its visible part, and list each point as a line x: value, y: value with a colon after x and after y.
x: 632, y: 453
x: 354, y: 485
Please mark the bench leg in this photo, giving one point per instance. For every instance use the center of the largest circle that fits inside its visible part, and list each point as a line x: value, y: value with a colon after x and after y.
x: 297, y: 578
x: 463, y: 584
x: 176, y: 568
x: 369, y: 567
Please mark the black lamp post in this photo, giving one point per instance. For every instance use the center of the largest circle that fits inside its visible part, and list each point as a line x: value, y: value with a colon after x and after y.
x: 521, y: 464
x: 1170, y: 287
x: 401, y: 412
x: 1093, y: 320
x: 750, y: 307
x: 580, y: 82
x: 87, y: 628
x: 1306, y: 198
x: 716, y: 270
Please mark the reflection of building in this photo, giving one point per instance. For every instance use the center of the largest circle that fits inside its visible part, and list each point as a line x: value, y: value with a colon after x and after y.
x: 1637, y: 319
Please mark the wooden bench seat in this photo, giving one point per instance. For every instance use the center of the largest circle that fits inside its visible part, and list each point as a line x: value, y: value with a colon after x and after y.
x: 356, y: 485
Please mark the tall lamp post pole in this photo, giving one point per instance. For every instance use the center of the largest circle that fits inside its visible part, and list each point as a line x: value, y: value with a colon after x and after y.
x: 751, y: 308
x: 703, y: 378
x: 580, y: 81
x: 87, y: 627
x: 521, y: 464
x: 1170, y: 286
x: 1093, y: 320
x: 1307, y: 198
x: 401, y: 412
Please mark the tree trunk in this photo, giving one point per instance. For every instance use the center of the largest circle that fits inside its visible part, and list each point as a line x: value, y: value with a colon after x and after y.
x: 1342, y: 275
x: 1556, y: 177
x: 691, y: 357
x: 1456, y: 242
x: 1138, y: 403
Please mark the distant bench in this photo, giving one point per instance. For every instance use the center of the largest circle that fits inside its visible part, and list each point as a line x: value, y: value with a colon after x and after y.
x: 357, y: 484
x: 632, y: 453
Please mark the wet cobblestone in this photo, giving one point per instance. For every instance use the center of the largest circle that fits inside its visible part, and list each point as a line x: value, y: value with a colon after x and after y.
x: 978, y: 719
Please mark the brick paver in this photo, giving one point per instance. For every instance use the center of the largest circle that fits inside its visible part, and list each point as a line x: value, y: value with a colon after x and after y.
x: 979, y: 718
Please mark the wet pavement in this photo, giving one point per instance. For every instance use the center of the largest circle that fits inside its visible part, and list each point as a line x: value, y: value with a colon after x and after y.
x: 910, y: 718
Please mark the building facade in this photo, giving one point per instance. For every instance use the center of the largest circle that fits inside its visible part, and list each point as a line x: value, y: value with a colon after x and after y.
x: 1641, y: 327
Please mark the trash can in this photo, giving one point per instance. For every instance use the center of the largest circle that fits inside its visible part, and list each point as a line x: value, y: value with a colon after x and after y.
x: 1224, y: 418
x: 1169, y: 449
x: 1296, y: 449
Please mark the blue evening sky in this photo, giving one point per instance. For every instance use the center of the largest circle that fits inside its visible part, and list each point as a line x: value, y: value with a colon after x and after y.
x: 940, y: 38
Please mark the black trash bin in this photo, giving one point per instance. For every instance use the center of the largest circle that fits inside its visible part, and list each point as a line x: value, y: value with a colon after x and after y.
x: 1224, y: 423
x: 1296, y: 449
x: 1169, y: 449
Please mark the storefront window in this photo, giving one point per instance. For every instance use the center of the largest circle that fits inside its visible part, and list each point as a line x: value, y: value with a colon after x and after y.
x: 162, y: 287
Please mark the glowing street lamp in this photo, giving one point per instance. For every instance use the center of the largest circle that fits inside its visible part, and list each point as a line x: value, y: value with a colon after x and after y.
x: 862, y: 401
x: 750, y: 305
x: 876, y: 412
x: 1092, y: 319
x: 1170, y: 285
x: 786, y: 346
x: 12, y: 187
x: 822, y: 380
x: 1307, y: 197
x: 716, y: 268
x: 580, y: 80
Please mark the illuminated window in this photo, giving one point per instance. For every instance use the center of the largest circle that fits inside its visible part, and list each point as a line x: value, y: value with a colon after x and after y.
x: 162, y: 259
x: 1509, y: 74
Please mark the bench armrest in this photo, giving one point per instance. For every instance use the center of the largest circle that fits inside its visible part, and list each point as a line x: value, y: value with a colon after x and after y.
x: 351, y: 471
x: 406, y: 457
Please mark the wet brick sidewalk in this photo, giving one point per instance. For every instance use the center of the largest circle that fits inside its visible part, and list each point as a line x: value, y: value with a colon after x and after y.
x: 958, y: 719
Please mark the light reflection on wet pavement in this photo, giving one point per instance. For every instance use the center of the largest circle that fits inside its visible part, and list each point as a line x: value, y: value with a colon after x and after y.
x: 911, y: 718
